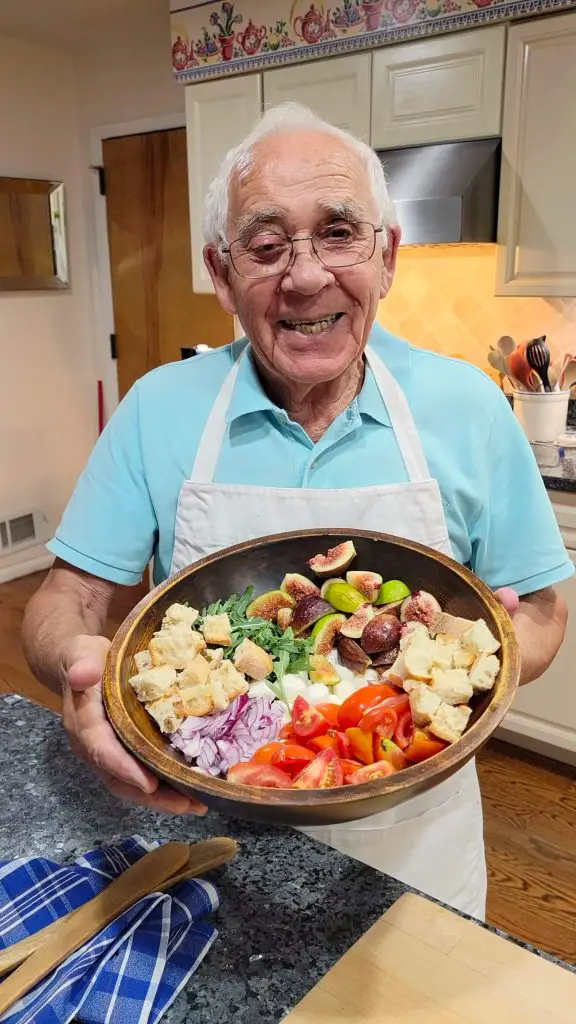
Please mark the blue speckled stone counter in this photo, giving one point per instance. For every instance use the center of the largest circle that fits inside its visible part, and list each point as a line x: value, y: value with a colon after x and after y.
x: 290, y: 907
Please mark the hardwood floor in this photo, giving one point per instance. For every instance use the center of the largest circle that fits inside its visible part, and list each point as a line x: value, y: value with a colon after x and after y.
x: 529, y: 804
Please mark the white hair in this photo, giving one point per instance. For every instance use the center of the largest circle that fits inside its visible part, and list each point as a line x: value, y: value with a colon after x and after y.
x: 287, y: 117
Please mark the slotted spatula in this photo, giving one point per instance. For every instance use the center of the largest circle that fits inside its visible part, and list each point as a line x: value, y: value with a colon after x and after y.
x: 538, y: 358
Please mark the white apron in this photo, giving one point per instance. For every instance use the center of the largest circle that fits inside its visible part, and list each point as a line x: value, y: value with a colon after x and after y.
x: 433, y: 842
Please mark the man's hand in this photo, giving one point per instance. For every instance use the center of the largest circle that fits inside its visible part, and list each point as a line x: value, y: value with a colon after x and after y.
x: 540, y: 622
x: 93, y: 740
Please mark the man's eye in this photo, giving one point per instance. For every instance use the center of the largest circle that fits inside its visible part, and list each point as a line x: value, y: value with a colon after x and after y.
x: 267, y: 250
x: 339, y: 233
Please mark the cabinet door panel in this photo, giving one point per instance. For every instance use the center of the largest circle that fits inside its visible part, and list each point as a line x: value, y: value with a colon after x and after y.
x: 337, y: 90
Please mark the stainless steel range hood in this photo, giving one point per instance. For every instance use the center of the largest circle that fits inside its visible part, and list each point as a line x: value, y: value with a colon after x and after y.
x: 445, y: 193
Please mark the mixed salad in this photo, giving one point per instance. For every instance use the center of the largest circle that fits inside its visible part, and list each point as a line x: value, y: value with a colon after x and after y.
x: 316, y: 684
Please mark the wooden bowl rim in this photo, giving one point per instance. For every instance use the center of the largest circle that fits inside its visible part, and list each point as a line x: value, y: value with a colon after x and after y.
x: 169, y: 766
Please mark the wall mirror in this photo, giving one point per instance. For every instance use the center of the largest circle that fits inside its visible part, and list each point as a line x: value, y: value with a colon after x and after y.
x: 33, y: 252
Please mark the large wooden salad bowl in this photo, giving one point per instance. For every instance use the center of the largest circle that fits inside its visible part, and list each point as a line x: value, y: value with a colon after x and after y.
x: 263, y: 562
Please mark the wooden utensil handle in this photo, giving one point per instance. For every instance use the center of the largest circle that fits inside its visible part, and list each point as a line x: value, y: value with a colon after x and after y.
x: 202, y: 857
x: 74, y: 930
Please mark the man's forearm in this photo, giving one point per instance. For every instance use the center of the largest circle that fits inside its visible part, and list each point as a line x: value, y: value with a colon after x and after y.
x: 64, y: 607
x: 540, y: 624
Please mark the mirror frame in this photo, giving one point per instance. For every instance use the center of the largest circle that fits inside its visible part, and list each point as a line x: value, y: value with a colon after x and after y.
x: 61, y: 278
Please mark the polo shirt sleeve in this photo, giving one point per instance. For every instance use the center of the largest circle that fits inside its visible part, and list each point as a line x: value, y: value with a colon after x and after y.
x: 516, y: 541
x: 109, y: 527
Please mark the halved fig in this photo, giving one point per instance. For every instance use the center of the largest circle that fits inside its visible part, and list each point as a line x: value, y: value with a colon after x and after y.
x: 284, y: 617
x: 421, y: 607
x: 355, y: 625
x: 389, y: 609
x: 269, y: 604
x: 381, y: 634
x: 325, y: 632
x: 344, y: 598
x: 352, y: 656
x: 336, y: 560
x: 307, y: 612
x: 366, y: 583
x: 298, y: 586
x: 386, y: 659
x: 327, y: 583
x: 323, y: 671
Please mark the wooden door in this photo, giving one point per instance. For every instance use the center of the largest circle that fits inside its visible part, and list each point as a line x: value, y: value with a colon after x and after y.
x: 537, y: 254
x: 337, y: 90
x: 156, y: 313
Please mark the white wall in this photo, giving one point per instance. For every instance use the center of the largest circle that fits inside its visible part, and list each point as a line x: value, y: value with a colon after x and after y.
x: 47, y: 375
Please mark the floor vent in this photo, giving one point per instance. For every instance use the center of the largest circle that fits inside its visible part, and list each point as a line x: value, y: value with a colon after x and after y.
x: 23, y: 530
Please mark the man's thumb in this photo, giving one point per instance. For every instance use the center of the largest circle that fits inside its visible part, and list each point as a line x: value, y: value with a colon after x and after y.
x: 85, y: 661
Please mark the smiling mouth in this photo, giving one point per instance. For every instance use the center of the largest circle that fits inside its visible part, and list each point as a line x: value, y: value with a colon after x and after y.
x: 312, y: 326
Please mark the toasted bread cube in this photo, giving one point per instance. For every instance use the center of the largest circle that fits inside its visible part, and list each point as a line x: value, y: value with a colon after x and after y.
x: 176, y: 648
x: 463, y: 659
x: 166, y: 713
x: 418, y: 657
x: 153, y: 683
x: 195, y: 700
x: 195, y: 674
x: 423, y: 704
x: 227, y: 683
x: 410, y: 630
x: 216, y: 629
x: 143, y: 660
x: 253, y: 660
x: 449, y: 723
x: 214, y: 656
x: 479, y: 639
x: 451, y: 685
x: 443, y: 651
x: 483, y: 672
x: 179, y: 615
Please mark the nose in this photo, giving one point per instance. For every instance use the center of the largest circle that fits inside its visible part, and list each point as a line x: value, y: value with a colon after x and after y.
x: 306, y: 274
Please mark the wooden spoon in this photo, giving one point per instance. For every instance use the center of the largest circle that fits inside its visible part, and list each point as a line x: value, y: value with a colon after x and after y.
x: 568, y: 376
x: 202, y: 857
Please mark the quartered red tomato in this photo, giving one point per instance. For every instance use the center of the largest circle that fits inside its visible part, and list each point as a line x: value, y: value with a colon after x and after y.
x: 423, y: 745
x: 379, y: 717
x: 344, y: 748
x: 361, y: 745
x: 308, y: 722
x: 324, y: 772
x: 327, y: 742
x: 404, y: 729
x: 356, y: 705
x: 386, y: 750
x: 292, y: 758
x: 330, y: 712
x: 349, y: 766
x: 368, y: 772
x: 265, y: 775
x: 287, y: 732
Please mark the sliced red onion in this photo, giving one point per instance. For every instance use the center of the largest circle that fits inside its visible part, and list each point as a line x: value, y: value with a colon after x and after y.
x: 216, y: 742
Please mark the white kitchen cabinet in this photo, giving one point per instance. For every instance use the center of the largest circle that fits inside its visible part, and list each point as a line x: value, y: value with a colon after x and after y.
x: 337, y: 90
x: 439, y: 90
x: 218, y: 116
x: 537, y: 252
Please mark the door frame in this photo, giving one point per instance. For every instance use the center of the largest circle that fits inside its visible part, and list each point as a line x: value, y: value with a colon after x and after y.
x: 101, y: 270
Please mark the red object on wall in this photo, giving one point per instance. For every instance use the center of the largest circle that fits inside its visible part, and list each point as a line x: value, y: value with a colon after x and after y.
x: 100, y: 407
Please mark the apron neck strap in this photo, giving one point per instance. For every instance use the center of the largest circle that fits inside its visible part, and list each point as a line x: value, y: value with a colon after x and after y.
x: 401, y: 420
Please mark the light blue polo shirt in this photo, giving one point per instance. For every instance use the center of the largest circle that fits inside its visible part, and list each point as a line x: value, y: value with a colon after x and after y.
x: 500, y: 519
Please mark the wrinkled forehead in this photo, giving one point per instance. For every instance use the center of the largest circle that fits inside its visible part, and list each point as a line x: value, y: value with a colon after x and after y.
x: 297, y: 179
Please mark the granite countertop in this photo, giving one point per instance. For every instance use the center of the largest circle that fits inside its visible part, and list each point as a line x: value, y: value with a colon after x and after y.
x: 290, y: 907
x: 557, y: 466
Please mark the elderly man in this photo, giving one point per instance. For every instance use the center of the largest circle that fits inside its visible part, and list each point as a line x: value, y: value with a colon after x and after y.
x: 317, y: 418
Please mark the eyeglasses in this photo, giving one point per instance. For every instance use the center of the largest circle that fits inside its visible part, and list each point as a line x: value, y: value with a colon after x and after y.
x: 270, y: 253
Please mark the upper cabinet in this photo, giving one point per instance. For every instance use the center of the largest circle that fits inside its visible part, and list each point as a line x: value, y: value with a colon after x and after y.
x: 447, y: 88
x: 218, y: 116
x: 337, y: 90
x: 537, y: 254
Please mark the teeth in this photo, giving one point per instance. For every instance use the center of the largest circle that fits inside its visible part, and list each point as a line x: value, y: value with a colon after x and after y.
x: 312, y: 326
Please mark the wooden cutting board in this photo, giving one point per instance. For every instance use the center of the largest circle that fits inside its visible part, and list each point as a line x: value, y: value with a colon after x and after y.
x: 422, y: 964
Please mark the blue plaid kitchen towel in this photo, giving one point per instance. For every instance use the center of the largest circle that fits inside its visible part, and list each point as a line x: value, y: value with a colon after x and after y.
x: 133, y: 970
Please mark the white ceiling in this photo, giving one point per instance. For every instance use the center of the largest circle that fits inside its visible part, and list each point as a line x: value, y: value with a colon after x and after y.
x: 68, y: 22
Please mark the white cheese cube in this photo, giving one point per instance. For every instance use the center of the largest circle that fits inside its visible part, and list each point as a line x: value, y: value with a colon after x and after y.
x: 479, y: 639
x: 261, y: 689
x: 343, y: 690
x: 423, y: 704
x: 449, y: 723
x: 153, y: 683
x: 316, y: 693
x: 294, y: 686
x: 451, y: 685
x: 483, y: 672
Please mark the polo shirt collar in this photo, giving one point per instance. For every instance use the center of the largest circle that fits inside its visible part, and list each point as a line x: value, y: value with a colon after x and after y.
x: 249, y: 396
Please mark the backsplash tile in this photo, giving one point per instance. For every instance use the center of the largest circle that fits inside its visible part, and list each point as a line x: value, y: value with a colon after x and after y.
x: 443, y: 299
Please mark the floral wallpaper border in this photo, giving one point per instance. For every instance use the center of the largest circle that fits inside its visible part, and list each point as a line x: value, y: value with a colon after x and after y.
x: 211, y: 39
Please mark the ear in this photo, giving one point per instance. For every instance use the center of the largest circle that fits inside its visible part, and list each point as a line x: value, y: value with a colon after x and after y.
x: 389, y: 255
x: 219, y: 273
